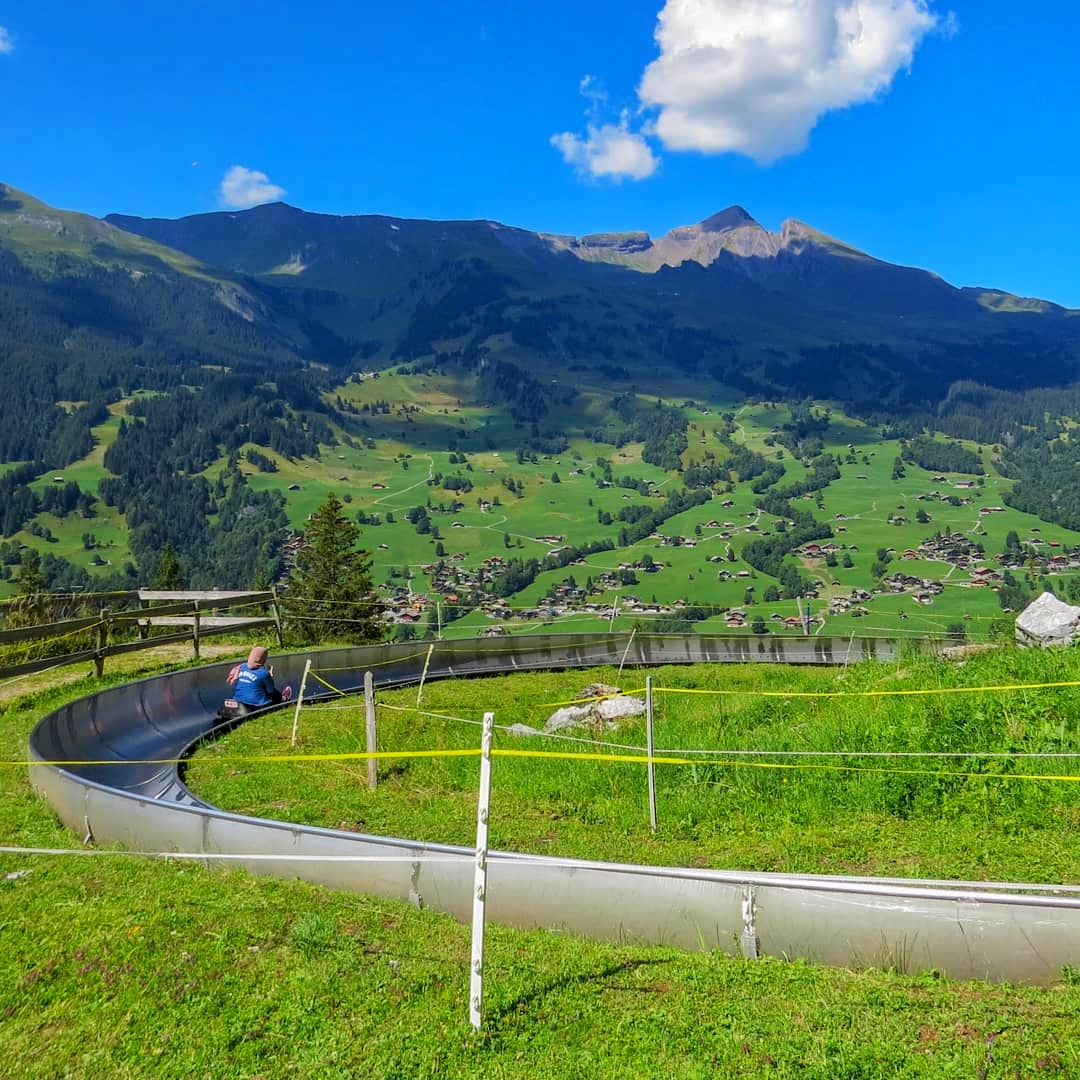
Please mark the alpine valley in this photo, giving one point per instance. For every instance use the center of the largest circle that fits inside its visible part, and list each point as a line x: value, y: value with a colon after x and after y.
x: 722, y: 428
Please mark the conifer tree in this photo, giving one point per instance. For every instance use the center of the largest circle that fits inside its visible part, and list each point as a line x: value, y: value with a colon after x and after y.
x: 170, y: 571
x: 329, y: 592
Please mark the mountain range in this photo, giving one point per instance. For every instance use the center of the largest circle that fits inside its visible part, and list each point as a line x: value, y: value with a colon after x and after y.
x: 163, y: 360
x: 100, y: 304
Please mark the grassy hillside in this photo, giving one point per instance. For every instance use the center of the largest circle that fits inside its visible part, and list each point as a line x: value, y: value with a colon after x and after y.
x: 434, y: 430
x: 526, y: 378
x: 131, y: 968
x: 893, y: 771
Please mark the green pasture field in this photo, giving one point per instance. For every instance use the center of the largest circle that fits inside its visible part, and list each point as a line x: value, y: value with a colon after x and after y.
x: 411, y: 447
x: 129, y: 968
x: 743, y: 804
x: 108, y: 525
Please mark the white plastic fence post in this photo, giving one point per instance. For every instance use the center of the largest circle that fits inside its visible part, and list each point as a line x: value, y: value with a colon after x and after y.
x: 476, y: 967
x: 369, y: 717
x: 626, y: 652
x: 650, y: 745
x: 423, y: 676
x: 300, y: 699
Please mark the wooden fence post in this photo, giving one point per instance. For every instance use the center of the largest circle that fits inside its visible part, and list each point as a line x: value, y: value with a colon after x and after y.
x: 369, y: 716
x: 277, y: 617
x: 102, y: 642
x: 195, y: 631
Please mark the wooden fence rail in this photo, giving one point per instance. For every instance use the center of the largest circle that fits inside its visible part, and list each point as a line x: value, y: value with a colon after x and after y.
x: 157, y: 608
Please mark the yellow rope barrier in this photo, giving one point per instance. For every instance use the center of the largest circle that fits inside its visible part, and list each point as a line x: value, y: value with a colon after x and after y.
x: 571, y: 755
x: 872, y: 693
x: 329, y: 686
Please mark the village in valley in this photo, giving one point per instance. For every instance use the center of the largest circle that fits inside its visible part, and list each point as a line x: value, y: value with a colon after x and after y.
x: 908, y: 550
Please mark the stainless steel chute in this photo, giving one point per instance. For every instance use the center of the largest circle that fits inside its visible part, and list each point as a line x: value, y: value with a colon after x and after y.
x: 981, y: 930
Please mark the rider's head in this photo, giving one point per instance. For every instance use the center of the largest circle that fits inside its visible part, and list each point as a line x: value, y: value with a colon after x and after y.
x: 257, y: 656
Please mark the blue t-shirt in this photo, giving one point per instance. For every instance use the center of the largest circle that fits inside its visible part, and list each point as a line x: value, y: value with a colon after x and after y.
x: 254, y: 686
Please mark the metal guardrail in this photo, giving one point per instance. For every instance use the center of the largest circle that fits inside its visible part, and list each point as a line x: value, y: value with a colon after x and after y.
x: 983, y: 930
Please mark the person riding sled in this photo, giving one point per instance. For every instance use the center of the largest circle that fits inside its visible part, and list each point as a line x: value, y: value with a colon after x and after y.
x: 253, y: 685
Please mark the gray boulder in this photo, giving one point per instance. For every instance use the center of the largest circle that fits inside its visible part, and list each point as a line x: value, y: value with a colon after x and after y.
x: 522, y: 729
x: 617, y: 708
x: 606, y: 714
x: 1048, y: 621
x: 570, y: 716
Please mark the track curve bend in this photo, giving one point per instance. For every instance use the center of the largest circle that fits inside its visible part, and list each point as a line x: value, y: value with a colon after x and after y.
x: 106, y: 789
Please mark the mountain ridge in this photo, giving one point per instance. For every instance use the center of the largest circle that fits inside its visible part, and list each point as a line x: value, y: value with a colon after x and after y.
x: 788, y: 313
x: 731, y: 237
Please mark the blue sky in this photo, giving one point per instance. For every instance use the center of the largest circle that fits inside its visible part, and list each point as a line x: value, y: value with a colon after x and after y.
x: 931, y: 134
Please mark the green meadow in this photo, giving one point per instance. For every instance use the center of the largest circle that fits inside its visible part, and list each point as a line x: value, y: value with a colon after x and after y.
x: 847, y: 770
x: 392, y: 461
x: 120, y: 966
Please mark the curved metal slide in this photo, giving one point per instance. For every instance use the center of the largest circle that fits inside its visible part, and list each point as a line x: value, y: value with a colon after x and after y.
x: 106, y: 789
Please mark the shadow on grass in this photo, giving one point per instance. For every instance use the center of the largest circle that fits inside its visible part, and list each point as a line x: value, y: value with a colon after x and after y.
x: 564, y: 982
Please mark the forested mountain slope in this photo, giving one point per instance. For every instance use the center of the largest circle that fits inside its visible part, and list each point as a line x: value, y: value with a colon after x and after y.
x: 176, y: 366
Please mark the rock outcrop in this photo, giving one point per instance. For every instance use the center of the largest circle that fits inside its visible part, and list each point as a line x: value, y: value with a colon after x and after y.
x: 604, y: 713
x: 1048, y: 621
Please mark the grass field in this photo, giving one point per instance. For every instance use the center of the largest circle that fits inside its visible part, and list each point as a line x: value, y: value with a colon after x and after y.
x: 758, y: 796
x: 121, y: 967
x: 407, y: 448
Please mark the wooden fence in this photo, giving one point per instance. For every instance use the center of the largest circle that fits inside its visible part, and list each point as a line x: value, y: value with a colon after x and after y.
x: 194, y: 611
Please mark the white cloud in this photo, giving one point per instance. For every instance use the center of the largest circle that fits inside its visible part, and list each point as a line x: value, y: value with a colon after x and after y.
x: 242, y: 188
x: 754, y: 76
x: 610, y: 150
x: 606, y: 150
x: 7, y: 42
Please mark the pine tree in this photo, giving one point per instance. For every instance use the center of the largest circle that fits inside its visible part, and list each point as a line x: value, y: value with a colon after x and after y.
x: 170, y: 571
x: 329, y: 591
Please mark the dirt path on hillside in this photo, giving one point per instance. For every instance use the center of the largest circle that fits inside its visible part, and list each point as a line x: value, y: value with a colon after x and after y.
x: 419, y: 483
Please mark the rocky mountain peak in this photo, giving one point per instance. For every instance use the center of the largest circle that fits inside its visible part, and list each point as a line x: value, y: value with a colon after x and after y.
x: 731, y: 218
